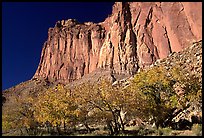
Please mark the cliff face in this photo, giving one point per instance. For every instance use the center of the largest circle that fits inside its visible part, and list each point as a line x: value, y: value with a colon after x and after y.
x: 135, y: 35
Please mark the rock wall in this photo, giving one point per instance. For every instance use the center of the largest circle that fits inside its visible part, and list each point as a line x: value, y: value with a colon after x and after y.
x: 134, y: 36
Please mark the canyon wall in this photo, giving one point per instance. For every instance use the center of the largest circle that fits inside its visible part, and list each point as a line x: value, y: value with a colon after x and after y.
x: 134, y: 36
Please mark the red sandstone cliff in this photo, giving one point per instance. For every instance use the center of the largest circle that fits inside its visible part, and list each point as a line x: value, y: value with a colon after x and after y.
x: 135, y: 35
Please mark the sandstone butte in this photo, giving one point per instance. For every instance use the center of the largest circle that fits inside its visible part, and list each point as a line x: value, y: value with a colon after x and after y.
x: 133, y: 37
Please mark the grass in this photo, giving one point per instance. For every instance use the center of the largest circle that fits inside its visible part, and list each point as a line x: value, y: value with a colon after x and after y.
x: 197, y: 129
x: 164, y: 131
x: 137, y: 131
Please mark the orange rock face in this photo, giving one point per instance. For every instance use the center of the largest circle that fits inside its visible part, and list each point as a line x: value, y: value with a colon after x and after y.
x: 135, y: 35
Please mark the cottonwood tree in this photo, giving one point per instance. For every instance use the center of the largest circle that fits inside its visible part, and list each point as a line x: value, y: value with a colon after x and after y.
x: 153, y: 89
x: 57, y: 107
x: 108, y: 100
x: 18, y: 115
x: 155, y: 94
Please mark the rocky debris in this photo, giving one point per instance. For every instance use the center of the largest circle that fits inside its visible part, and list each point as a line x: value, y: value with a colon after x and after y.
x: 96, y: 77
x: 136, y: 122
x: 187, y: 117
x: 186, y: 59
x: 189, y: 59
x: 179, y: 89
x: 28, y: 88
x: 123, y: 82
x: 134, y: 36
x: 194, y: 111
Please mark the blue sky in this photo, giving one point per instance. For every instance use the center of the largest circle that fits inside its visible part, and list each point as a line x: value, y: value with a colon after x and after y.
x: 24, y: 30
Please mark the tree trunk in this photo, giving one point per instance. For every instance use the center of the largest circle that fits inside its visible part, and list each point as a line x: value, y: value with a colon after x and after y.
x: 58, y: 129
x: 21, y: 132
x: 122, y: 124
x: 87, y: 127
x: 110, y: 127
x: 65, y: 126
x: 116, y: 126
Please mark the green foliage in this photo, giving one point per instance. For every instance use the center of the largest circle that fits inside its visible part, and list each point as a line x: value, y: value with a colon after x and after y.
x: 153, y: 89
x: 6, y: 123
x: 145, y: 132
x: 56, y: 105
x: 104, y: 100
x: 155, y: 93
x: 150, y: 94
x: 164, y: 131
x: 18, y: 114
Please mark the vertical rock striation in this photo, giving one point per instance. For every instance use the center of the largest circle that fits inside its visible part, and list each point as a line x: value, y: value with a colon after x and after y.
x: 134, y: 36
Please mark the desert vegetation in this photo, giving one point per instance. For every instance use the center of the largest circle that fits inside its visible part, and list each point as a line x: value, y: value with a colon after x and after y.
x: 153, y: 96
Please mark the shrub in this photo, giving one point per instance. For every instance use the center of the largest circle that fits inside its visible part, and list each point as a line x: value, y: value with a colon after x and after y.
x: 165, y: 131
x: 197, y: 129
